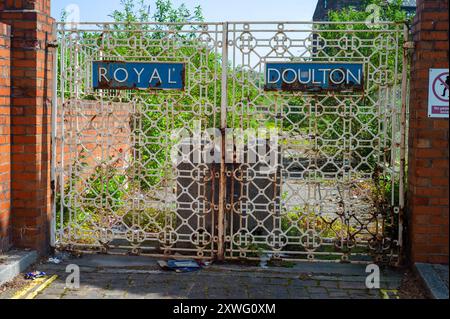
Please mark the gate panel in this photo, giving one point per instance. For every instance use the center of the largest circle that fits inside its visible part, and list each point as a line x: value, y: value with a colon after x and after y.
x: 128, y: 178
x: 331, y: 190
x: 309, y: 175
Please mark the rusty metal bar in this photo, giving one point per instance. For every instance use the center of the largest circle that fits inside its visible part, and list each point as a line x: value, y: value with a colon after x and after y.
x: 53, y: 136
x: 405, y: 61
x: 62, y: 89
x: 223, y: 125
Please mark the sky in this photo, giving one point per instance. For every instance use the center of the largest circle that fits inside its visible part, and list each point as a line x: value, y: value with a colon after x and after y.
x: 213, y: 10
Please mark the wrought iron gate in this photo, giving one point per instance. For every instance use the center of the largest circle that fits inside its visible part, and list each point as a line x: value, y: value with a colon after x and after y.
x: 129, y: 165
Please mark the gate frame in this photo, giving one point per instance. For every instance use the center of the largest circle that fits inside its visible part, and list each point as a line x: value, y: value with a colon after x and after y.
x: 223, y: 126
x: 406, y: 50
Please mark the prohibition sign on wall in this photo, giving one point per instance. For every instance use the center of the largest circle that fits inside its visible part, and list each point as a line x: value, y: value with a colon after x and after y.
x: 438, y: 93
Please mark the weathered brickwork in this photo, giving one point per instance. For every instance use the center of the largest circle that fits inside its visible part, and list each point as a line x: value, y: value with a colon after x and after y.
x: 96, y: 134
x: 31, y: 91
x: 428, y: 139
x: 5, y: 138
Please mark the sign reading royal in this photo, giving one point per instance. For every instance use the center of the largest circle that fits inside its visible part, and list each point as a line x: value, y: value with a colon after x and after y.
x: 314, y: 76
x: 138, y: 75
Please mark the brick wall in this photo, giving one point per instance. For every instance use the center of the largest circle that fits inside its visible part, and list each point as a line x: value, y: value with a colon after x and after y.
x: 31, y: 89
x: 25, y: 126
x: 95, y: 133
x: 5, y: 138
x: 428, y: 190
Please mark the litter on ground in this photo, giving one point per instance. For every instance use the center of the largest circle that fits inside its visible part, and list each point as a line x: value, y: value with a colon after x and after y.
x: 179, y: 265
x: 54, y: 260
x: 34, y: 275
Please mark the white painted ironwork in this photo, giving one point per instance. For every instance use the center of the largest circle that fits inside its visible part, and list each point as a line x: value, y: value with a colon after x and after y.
x: 332, y: 194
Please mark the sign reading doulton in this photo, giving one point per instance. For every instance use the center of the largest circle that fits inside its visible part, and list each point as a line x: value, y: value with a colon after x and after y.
x: 314, y: 76
x: 438, y: 93
x: 138, y: 75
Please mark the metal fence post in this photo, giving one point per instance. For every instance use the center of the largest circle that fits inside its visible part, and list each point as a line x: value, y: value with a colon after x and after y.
x: 405, y: 61
x: 223, y: 125
x: 53, y: 173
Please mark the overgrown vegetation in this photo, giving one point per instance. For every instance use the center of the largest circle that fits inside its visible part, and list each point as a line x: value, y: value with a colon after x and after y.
x: 383, y: 57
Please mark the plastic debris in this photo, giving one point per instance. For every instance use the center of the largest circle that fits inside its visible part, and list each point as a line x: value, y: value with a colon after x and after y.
x: 34, y: 275
x: 263, y: 260
x: 163, y: 264
x: 54, y: 260
x: 183, y: 265
x: 63, y: 255
x: 205, y: 263
x: 179, y: 265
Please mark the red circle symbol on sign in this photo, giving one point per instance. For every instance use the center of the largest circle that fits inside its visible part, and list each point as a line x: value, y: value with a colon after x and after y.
x: 441, y: 80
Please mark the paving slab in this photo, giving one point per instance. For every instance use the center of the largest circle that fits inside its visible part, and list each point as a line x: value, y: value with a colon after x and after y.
x: 116, y: 261
x: 125, y: 277
x: 434, y: 278
x: 13, y: 262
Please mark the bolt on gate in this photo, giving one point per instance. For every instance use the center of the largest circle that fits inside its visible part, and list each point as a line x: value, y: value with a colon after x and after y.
x: 231, y: 140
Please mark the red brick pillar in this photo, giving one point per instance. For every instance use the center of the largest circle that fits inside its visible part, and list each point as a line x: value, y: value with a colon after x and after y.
x: 5, y: 138
x: 31, y: 92
x: 428, y: 191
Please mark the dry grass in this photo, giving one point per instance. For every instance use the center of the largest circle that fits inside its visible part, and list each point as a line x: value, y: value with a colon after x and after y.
x: 17, y: 283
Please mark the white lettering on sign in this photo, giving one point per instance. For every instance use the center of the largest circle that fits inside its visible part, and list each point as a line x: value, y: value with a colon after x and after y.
x: 304, y: 74
x: 285, y: 76
x: 356, y: 78
x: 170, y: 76
x: 124, y: 72
x: 274, y: 80
x: 341, y: 76
x: 155, y: 75
x: 138, y: 74
x: 102, y: 74
x: 124, y: 75
x: 314, y: 76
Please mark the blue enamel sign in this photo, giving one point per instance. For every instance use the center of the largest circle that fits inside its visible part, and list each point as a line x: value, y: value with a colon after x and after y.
x: 314, y: 76
x: 138, y: 75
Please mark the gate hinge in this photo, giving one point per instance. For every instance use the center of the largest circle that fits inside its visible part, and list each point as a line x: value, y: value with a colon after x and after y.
x: 52, y: 44
x: 408, y: 45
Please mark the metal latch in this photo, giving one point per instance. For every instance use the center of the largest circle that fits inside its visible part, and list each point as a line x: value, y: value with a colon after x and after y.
x: 52, y: 44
